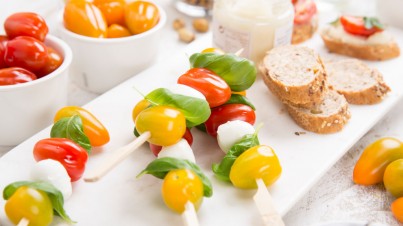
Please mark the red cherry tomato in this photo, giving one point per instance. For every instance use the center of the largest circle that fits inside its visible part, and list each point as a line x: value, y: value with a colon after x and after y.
x: 213, y: 87
x: 54, y: 61
x: 356, y: 26
x: 304, y: 11
x: 26, y: 52
x: 15, y: 75
x: 3, y: 41
x: 26, y: 24
x: 228, y: 112
x: 155, y: 149
x: 71, y: 155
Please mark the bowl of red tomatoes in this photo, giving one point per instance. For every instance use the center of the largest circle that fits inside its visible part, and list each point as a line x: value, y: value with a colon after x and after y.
x: 111, y: 40
x: 33, y: 77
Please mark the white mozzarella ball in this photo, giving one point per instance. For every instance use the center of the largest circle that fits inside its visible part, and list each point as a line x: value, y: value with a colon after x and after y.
x: 232, y: 132
x: 52, y: 171
x: 186, y: 91
x: 180, y: 150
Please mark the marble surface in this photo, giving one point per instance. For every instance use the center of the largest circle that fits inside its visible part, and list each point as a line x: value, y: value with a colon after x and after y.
x: 335, y: 197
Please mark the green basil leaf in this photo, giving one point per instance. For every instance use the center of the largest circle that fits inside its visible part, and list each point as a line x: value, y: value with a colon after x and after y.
x: 160, y: 167
x: 195, y: 110
x: 239, y: 99
x: 367, y: 23
x: 53, y: 193
x: 370, y: 22
x: 239, y: 73
x: 71, y: 128
x: 223, y: 169
x: 135, y: 132
x: 202, y: 127
x: 336, y: 22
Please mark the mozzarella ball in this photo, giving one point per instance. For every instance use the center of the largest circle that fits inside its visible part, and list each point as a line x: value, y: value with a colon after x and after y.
x: 186, y: 91
x: 180, y: 150
x: 232, y: 132
x: 52, y: 171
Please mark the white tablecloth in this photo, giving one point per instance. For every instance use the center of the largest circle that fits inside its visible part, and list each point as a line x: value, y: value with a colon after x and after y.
x: 335, y: 197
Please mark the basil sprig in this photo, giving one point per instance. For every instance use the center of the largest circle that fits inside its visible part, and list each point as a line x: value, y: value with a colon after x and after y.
x: 71, y: 128
x: 160, y: 167
x: 239, y: 99
x: 223, y: 169
x: 195, y: 110
x: 53, y: 193
x: 371, y: 22
x: 238, y: 72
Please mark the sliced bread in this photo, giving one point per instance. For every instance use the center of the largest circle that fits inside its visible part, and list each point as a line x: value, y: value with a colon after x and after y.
x: 328, y: 116
x: 303, y: 32
x: 295, y: 75
x: 356, y: 81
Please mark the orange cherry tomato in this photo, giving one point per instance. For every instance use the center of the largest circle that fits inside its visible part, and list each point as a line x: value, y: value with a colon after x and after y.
x: 54, y: 61
x: 118, y: 31
x: 84, y: 18
x: 393, y: 178
x: 93, y: 128
x: 397, y: 209
x: 213, y: 50
x: 113, y: 10
x: 141, y: 16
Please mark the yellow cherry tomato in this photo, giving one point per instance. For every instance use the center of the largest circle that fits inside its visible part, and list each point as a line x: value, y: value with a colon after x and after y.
x: 84, y: 18
x: 181, y: 186
x: 93, y: 128
x: 213, y: 50
x: 256, y: 162
x: 113, y: 10
x: 397, y: 209
x: 31, y: 204
x: 393, y: 178
x: 141, y: 16
x: 166, y: 125
x: 242, y: 93
x: 118, y: 31
x: 140, y: 106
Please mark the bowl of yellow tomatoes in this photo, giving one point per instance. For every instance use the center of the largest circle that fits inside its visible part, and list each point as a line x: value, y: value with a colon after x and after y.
x: 111, y: 40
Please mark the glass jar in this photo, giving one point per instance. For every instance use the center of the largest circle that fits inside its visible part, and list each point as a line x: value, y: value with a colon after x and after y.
x: 256, y: 26
x: 195, y: 8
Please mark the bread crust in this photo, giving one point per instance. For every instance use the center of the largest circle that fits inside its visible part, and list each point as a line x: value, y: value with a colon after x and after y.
x: 322, y: 124
x: 303, y: 32
x: 365, y: 52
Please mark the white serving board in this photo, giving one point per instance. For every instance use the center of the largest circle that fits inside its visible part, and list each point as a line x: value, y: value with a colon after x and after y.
x: 121, y: 199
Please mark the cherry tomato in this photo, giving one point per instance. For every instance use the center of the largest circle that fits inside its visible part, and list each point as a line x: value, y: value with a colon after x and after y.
x: 93, y: 128
x: 228, y: 112
x: 15, y: 75
x: 113, y: 10
x: 31, y: 204
x: 26, y: 52
x: 166, y: 125
x: 71, y: 155
x: 84, y: 18
x: 181, y: 186
x: 304, y: 11
x: 371, y: 165
x: 140, y: 106
x: 141, y: 16
x: 26, y: 24
x: 397, y: 209
x: 213, y: 87
x: 3, y: 41
x: 393, y: 178
x: 259, y: 162
x: 213, y: 50
x: 242, y: 93
x: 54, y: 61
x: 155, y: 149
x: 118, y: 31
x: 356, y: 26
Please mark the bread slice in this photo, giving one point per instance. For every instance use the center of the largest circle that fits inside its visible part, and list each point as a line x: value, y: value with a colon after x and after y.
x: 356, y: 81
x: 303, y: 32
x: 295, y: 75
x: 328, y: 116
x: 377, y: 51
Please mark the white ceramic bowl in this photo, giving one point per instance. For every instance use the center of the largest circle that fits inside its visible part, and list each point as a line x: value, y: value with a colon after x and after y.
x: 99, y: 64
x: 349, y: 223
x: 29, y: 107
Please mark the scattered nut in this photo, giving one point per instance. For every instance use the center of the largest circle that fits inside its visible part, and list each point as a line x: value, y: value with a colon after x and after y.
x: 201, y: 25
x: 178, y: 24
x: 186, y: 35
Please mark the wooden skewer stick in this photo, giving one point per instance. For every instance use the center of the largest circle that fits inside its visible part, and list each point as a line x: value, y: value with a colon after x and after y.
x: 23, y: 222
x: 118, y: 156
x: 239, y: 52
x: 189, y: 216
x: 265, y: 205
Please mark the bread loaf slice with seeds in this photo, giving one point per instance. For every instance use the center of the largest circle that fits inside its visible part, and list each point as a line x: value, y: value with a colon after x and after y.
x: 328, y: 116
x: 356, y: 81
x: 295, y: 75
